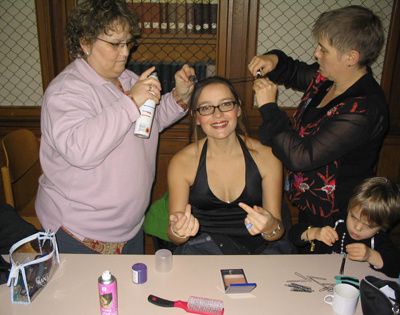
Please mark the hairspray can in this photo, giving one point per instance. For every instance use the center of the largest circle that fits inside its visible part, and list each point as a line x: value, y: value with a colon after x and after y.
x: 144, y: 122
x: 108, y: 296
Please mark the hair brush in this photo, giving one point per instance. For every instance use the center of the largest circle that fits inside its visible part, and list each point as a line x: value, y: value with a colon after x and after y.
x: 195, y: 305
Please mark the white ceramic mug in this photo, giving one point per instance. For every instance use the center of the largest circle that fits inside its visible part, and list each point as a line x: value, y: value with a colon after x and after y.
x: 344, y: 299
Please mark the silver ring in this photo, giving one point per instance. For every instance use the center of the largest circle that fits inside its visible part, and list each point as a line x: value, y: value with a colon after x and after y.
x: 249, y: 225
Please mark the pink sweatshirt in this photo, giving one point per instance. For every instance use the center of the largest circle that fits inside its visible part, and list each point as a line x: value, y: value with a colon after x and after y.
x: 97, y: 175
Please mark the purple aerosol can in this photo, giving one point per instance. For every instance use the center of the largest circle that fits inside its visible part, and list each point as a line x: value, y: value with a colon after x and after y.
x: 108, y: 295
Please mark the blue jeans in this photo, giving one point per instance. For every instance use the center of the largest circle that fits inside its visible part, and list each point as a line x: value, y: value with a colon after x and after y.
x: 203, y: 244
x: 69, y: 245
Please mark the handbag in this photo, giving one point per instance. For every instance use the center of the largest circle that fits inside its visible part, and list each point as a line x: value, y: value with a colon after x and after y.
x: 12, y: 228
x: 4, y: 270
x: 374, y: 301
x: 31, y: 271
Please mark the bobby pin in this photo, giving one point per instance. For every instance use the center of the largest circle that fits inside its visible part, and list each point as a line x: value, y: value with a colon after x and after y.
x: 321, y: 284
x: 301, y: 276
x: 301, y: 290
x: 314, y: 277
x: 325, y: 286
x: 299, y: 287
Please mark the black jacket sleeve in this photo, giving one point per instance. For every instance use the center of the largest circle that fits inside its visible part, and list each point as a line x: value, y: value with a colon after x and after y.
x: 293, y: 74
x: 295, y: 234
x: 390, y: 255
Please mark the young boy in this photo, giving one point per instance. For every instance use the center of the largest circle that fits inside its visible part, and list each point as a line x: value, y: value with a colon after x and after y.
x: 373, y: 209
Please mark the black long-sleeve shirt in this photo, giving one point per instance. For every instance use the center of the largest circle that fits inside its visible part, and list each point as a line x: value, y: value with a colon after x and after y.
x: 329, y: 150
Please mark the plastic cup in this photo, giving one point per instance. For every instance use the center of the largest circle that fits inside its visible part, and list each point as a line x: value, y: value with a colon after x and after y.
x: 163, y: 260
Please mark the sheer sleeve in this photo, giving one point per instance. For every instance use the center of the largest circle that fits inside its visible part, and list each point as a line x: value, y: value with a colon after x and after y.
x: 336, y: 136
x: 295, y: 234
x: 292, y: 73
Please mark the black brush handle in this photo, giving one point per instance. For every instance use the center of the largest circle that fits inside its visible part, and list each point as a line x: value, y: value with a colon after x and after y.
x: 341, y: 271
x: 159, y: 301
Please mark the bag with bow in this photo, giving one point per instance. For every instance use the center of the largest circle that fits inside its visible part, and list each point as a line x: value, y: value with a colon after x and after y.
x: 31, y: 271
x: 379, y: 296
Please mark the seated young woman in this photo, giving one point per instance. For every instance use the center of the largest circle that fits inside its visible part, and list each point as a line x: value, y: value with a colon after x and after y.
x: 225, y: 189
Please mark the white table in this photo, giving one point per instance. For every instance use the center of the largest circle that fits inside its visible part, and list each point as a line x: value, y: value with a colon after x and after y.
x: 73, y: 289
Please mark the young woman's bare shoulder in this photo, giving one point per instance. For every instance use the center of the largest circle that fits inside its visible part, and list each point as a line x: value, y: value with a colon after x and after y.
x: 257, y: 148
x: 263, y: 157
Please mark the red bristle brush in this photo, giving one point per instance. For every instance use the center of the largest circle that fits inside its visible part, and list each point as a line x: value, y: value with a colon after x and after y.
x: 195, y: 305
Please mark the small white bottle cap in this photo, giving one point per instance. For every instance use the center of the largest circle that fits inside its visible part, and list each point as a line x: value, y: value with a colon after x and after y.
x: 106, y: 276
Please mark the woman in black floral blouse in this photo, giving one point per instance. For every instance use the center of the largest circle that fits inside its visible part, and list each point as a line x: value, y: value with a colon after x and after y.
x: 342, y: 117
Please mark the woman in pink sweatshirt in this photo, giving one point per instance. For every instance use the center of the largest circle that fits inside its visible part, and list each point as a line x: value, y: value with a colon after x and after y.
x: 97, y: 175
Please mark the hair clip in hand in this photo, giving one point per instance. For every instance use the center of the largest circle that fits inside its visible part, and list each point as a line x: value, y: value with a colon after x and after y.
x: 259, y: 73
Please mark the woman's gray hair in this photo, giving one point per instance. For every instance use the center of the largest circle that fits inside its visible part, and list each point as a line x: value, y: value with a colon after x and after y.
x: 93, y: 17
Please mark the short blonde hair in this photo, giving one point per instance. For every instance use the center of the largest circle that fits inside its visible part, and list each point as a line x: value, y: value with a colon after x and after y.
x: 379, y: 201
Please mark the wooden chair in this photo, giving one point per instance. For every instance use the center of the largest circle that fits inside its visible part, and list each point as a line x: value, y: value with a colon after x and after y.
x: 20, y: 172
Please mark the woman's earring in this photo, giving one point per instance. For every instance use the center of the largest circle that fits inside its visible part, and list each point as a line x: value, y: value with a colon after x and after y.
x: 87, y: 53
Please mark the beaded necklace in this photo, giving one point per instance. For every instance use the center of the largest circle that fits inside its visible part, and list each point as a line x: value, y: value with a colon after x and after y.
x: 343, y: 236
x: 342, y: 243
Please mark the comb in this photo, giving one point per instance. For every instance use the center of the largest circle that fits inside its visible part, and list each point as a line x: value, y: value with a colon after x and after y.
x: 195, y: 305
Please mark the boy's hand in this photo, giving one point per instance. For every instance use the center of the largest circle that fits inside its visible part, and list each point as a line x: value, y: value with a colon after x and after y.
x: 327, y: 234
x: 358, y: 251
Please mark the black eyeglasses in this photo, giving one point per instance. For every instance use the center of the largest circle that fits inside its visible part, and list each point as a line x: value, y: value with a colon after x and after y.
x: 210, y: 109
x: 121, y: 45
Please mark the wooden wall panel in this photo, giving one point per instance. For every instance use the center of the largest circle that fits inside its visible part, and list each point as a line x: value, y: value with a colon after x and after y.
x: 391, y: 69
x: 389, y: 160
x: 172, y: 140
